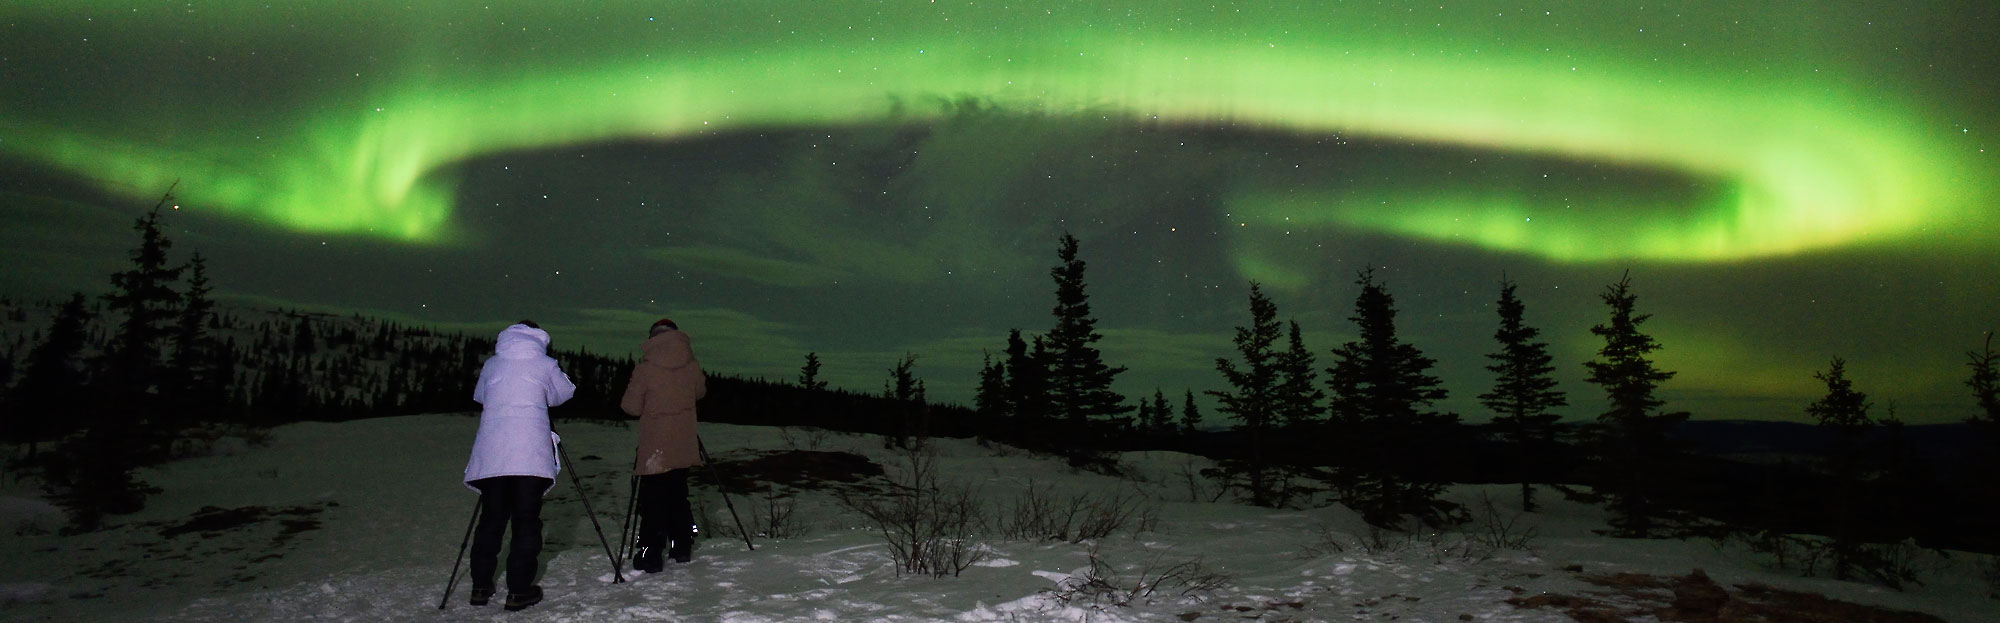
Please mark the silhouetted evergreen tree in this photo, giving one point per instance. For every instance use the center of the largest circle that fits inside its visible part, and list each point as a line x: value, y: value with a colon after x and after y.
x: 1523, y: 391
x: 1027, y: 391
x: 989, y: 401
x: 907, y: 390
x: 1160, y: 421
x: 122, y: 430
x: 1380, y: 390
x: 1985, y: 384
x: 144, y: 294
x: 1984, y: 479
x: 1143, y: 414
x: 1907, y: 486
x: 1079, y: 382
x: 1845, y: 412
x: 809, y: 373
x: 1253, y: 399
x: 1632, y: 434
x: 1298, y: 393
x: 1190, y: 415
x: 48, y: 400
x: 303, y: 341
x: 196, y: 381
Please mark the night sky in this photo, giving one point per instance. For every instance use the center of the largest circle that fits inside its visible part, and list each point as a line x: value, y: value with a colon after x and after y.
x: 1785, y: 181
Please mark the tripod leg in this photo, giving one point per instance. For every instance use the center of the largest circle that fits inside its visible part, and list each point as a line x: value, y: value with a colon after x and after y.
x: 453, y: 583
x: 710, y: 466
x: 617, y: 570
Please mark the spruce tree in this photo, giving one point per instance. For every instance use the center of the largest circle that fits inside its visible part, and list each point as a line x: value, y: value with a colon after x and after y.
x: 1844, y: 411
x: 1253, y: 401
x: 1298, y: 393
x: 1633, y: 432
x: 1380, y: 390
x: 1523, y: 391
x: 809, y: 374
x: 196, y: 380
x: 1160, y: 419
x: 990, y: 399
x: 1027, y: 390
x: 1190, y: 415
x: 145, y: 296
x: 122, y: 430
x: 44, y: 405
x: 907, y: 390
x: 1984, y: 495
x: 1079, y: 382
x: 1985, y: 384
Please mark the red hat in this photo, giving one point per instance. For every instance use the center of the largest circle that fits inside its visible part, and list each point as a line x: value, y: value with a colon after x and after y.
x: 663, y: 325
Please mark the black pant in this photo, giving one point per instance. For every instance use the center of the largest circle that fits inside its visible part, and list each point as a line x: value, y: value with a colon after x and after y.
x: 503, y: 500
x: 664, y: 512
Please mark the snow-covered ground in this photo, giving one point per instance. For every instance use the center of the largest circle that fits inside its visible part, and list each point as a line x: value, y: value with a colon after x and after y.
x: 360, y: 521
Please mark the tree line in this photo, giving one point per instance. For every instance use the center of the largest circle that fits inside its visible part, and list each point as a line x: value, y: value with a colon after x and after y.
x: 1362, y: 428
x: 152, y: 368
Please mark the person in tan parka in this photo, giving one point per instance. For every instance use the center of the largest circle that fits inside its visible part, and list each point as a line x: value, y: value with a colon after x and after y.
x: 662, y: 393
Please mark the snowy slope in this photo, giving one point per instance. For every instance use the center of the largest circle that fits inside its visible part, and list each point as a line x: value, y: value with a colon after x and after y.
x: 360, y: 521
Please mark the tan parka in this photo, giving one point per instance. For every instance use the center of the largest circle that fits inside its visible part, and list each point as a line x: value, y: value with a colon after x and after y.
x: 664, y: 386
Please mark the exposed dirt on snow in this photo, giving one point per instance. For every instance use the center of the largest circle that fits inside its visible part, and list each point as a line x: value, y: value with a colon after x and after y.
x: 1695, y: 598
x: 796, y: 469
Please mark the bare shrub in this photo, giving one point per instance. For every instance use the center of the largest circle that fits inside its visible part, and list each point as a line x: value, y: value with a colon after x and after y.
x: 1147, y: 519
x: 1103, y: 585
x: 1894, y: 565
x: 1327, y: 541
x: 1377, y: 540
x: 1103, y: 516
x: 812, y: 437
x: 774, y: 516
x: 1496, y: 530
x: 1198, y: 484
x: 1036, y: 514
x: 1463, y: 548
x: 926, y: 523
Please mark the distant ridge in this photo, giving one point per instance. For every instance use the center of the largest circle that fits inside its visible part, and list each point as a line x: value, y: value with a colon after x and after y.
x: 1753, y: 438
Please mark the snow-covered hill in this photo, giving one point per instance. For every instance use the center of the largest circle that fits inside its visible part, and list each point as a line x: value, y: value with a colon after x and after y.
x: 360, y: 521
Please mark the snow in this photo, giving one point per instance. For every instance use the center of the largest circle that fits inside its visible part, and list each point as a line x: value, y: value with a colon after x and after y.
x: 360, y: 521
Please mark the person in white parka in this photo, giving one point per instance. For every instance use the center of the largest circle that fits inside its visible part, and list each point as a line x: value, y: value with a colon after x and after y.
x: 514, y: 459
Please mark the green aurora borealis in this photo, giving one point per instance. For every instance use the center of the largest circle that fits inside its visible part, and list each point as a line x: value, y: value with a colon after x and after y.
x: 1722, y: 153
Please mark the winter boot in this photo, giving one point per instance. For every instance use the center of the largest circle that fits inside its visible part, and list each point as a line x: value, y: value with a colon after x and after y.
x: 648, y: 559
x: 517, y: 600
x: 683, y: 544
x: 481, y: 595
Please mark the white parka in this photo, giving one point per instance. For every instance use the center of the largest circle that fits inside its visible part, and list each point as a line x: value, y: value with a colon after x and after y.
x: 516, y: 387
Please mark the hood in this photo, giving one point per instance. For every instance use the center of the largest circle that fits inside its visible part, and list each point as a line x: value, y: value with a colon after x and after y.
x: 668, y: 350
x: 521, y: 341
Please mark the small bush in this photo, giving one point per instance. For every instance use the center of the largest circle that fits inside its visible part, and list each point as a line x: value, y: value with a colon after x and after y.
x: 1102, y: 585
x: 1377, y: 540
x: 1463, y: 548
x: 1327, y: 541
x: 1197, y: 482
x: 774, y: 516
x: 1496, y: 530
x: 1894, y: 565
x: 926, y: 523
x: 812, y: 437
x: 1037, y: 515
